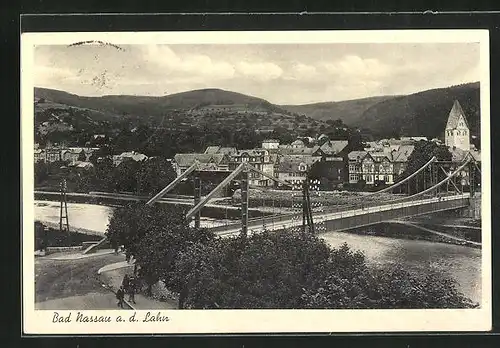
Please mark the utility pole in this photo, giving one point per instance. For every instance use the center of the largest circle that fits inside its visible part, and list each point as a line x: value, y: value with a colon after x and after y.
x: 63, y: 212
x: 197, y: 198
x: 306, y: 208
x: 244, y: 203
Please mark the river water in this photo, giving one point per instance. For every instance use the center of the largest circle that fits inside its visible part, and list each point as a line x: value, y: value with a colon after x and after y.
x: 460, y: 262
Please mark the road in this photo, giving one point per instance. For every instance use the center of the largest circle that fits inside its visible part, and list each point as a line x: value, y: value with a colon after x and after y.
x: 73, y: 284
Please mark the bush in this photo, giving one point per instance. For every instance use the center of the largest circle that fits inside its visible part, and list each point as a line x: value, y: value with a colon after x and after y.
x: 290, y: 270
x: 267, y: 270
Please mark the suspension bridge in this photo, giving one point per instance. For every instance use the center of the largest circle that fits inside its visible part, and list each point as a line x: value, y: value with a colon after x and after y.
x: 435, y: 186
x: 425, y: 191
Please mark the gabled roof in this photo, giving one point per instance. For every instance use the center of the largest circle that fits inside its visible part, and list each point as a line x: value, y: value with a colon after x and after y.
x: 455, y: 114
x: 187, y: 159
x: 458, y: 155
x: 291, y: 163
x: 227, y: 150
x: 353, y: 155
x: 403, y: 153
x: 136, y: 156
x: 380, y: 156
x: 212, y: 149
x: 334, y: 146
x: 297, y: 151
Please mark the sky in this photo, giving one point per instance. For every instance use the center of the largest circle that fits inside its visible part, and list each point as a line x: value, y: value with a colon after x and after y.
x: 281, y: 74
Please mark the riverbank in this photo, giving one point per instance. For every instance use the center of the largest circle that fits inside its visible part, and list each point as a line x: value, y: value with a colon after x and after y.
x: 118, y: 200
x: 51, y: 238
x: 413, y: 232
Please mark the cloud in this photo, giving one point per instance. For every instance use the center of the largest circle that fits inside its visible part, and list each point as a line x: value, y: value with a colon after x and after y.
x: 356, y: 67
x: 262, y: 71
x: 49, y: 74
x: 201, y: 65
x: 284, y: 74
x: 300, y: 71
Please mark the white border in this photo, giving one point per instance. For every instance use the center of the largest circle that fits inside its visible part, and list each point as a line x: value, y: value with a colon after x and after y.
x: 255, y: 321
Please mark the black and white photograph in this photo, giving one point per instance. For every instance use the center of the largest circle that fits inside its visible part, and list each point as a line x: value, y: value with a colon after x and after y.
x: 277, y: 181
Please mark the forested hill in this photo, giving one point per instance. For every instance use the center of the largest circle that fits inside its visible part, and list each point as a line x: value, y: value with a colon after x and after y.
x: 147, y: 106
x: 349, y: 111
x: 424, y: 113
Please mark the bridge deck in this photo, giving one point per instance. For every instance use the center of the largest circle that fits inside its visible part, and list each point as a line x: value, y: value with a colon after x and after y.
x: 344, y: 220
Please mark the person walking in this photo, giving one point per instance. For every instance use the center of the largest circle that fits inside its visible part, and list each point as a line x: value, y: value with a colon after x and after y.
x: 126, y: 282
x: 120, y: 295
x: 131, y: 289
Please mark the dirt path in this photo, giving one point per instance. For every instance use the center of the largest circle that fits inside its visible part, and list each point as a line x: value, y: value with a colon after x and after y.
x: 73, y: 284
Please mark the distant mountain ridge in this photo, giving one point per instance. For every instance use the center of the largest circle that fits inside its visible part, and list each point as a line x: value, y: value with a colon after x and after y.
x: 155, y: 106
x: 349, y: 111
x: 424, y: 113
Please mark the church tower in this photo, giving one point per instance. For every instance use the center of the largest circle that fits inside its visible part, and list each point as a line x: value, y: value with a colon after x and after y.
x: 457, y: 133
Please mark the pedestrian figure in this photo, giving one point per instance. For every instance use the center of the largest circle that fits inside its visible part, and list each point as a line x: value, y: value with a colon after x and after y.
x: 131, y: 289
x: 120, y: 294
x: 126, y: 282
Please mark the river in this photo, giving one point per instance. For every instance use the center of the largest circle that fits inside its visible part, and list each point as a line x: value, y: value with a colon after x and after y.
x: 460, y: 262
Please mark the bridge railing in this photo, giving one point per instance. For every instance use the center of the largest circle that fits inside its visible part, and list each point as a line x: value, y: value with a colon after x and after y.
x: 320, y: 213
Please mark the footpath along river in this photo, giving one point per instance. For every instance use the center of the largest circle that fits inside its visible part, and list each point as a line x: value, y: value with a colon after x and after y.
x: 460, y: 262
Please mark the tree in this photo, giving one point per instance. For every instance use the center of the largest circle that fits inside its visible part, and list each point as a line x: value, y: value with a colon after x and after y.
x: 291, y: 270
x: 41, y: 172
x: 268, y: 270
x: 155, y: 235
x: 154, y: 175
x: 126, y: 176
x: 388, y: 287
x: 422, y: 153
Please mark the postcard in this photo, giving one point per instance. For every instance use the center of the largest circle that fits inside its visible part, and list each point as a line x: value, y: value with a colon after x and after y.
x: 255, y: 182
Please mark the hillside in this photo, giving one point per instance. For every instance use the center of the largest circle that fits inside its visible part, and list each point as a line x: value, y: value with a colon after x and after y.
x: 349, y: 111
x: 143, y: 106
x: 424, y: 113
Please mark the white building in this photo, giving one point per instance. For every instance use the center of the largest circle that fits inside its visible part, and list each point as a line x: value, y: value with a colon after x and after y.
x: 270, y: 144
x: 457, y: 134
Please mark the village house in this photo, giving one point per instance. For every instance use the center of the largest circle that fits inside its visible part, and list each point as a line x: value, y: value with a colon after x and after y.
x: 261, y: 159
x: 378, y: 166
x: 212, y: 150
x: 270, y: 144
x: 294, y: 168
x: 74, y: 154
x: 67, y: 154
x: 213, y: 162
x: 128, y: 156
